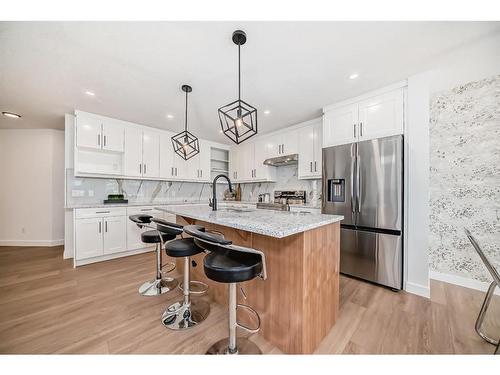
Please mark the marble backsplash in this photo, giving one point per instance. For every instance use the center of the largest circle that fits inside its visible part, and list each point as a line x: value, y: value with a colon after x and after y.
x: 87, y: 190
x: 465, y: 177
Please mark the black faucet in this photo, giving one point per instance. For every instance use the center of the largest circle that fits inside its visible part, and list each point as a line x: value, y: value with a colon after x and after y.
x: 214, y: 190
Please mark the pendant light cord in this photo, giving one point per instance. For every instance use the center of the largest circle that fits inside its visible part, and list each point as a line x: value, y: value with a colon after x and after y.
x: 239, y: 72
x: 186, y: 113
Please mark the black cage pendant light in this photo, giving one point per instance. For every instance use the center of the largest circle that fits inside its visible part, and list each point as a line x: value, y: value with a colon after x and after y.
x: 238, y: 119
x: 186, y: 145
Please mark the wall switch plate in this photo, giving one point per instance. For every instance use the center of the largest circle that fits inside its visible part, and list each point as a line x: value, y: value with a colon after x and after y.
x: 77, y: 193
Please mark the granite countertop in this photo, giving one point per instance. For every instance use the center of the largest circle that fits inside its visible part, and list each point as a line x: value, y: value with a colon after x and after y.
x: 271, y: 223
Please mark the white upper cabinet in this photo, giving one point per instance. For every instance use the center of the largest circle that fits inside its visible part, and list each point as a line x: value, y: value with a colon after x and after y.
x: 340, y: 126
x: 142, y: 153
x: 88, y: 131
x: 284, y: 143
x: 99, y: 132
x: 234, y: 164
x: 133, y: 152
x: 113, y: 133
x: 310, y: 151
x: 150, y: 154
x: 381, y: 116
x: 374, y: 117
x: 246, y: 162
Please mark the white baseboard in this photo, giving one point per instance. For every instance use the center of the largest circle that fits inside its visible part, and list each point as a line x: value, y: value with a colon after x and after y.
x: 43, y: 243
x: 419, y: 290
x: 462, y: 281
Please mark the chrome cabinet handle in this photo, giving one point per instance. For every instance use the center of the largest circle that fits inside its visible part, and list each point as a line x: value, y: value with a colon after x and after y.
x: 311, y: 166
x: 315, y: 167
x: 176, y: 171
x: 98, y: 139
x: 144, y: 168
x: 140, y: 168
x: 283, y: 148
x: 354, y: 130
x: 102, y: 212
x: 360, y: 129
x: 106, y: 226
x: 104, y: 141
x: 172, y: 172
x: 146, y: 209
x: 99, y: 227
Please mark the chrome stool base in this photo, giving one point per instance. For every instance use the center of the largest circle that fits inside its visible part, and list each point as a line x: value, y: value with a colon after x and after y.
x: 180, y: 315
x: 157, y: 287
x: 245, y: 346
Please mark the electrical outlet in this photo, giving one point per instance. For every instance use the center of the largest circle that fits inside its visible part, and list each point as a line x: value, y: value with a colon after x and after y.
x: 77, y: 193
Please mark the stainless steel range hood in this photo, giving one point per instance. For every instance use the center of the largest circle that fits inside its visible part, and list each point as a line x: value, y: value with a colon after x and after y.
x: 282, y: 160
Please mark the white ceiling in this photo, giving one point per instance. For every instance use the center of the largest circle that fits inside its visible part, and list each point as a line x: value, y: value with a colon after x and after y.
x: 136, y: 69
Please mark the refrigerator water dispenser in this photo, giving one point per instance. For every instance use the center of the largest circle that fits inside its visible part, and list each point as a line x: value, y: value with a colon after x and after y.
x: 336, y: 190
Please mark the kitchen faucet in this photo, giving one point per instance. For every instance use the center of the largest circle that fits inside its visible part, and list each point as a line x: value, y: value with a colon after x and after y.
x: 213, y: 203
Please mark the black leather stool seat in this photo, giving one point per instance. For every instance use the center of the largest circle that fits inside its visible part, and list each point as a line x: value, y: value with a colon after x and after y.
x: 152, y: 236
x: 232, y: 266
x: 184, y: 247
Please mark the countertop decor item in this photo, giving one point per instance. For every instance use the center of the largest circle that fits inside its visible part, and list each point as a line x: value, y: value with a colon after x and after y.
x: 238, y: 119
x: 186, y: 145
x: 115, y: 198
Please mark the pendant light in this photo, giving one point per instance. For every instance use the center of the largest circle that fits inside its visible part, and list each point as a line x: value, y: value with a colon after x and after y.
x: 238, y: 119
x: 186, y: 145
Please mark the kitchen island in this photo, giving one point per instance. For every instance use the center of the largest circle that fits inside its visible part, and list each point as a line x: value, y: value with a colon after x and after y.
x: 299, y: 302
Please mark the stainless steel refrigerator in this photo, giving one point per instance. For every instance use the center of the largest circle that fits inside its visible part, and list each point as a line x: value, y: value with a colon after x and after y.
x: 363, y: 181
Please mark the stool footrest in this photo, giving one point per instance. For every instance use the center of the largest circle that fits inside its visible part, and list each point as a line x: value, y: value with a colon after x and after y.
x: 203, y: 287
x: 257, y: 316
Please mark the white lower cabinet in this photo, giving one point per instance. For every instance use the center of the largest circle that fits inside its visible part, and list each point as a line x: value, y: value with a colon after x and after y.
x: 88, y: 238
x: 115, y: 234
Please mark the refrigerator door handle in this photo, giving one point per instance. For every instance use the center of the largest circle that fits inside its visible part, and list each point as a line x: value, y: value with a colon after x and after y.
x: 353, y: 160
x: 358, y: 183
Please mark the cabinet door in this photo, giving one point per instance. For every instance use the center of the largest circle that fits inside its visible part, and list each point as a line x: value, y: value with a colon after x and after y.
x: 133, y: 152
x: 289, y: 145
x: 273, y: 146
x: 181, y: 168
x: 306, y: 152
x: 204, y: 161
x: 233, y: 164
x: 247, y: 161
x: 113, y: 135
x: 340, y: 126
x: 262, y: 172
x: 88, y: 131
x: 150, y: 154
x: 88, y: 238
x: 166, y: 156
x: 381, y: 116
x: 115, y: 234
x: 317, y: 146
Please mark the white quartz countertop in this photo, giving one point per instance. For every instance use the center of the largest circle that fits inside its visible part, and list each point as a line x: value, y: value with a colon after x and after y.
x: 277, y: 224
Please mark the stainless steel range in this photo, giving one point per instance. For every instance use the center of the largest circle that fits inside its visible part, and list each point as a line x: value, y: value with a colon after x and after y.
x: 283, y: 200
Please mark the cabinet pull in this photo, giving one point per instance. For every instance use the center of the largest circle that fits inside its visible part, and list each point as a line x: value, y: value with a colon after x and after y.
x: 315, y: 169
x: 144, y: 168
x: 172, y: 173
x: 104, y: 141
x: 106, y: 226
x: 99, y: 227
x: 360, y: 129
x: 146, y: 209
x: 98, y: 139
x: 310, y: 166
x: 354, y: 130
x: 283, y: 148
x: 102, y: 212
x: 176, y: 171
x: 140, y: 168
x: 255, y: 172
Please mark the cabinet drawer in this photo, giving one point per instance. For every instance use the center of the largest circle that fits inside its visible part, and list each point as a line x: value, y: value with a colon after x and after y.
x: 81, y: 213
x: 147, y: 210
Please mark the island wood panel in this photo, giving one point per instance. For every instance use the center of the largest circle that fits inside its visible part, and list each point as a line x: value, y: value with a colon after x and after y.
x: 298, y: 303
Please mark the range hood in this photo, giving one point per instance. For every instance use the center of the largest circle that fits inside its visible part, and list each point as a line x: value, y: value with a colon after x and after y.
x: 282, y: 160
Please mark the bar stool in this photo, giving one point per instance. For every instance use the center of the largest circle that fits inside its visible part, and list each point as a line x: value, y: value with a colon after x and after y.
x: 188, y: 312
x: 231, y: 264
x: 496, y: 282
x: 158, y: 235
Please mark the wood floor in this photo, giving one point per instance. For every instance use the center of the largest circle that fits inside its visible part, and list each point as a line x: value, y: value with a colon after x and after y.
x: 46, y: 306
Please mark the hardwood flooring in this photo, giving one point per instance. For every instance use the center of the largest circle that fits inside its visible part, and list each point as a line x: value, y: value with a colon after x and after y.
x: 46, y: 306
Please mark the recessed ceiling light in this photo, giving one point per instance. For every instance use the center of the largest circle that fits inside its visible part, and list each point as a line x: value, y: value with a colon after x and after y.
x: 354, y: 76
x: 267, y: 111
x: 11, y: 114
x: 90, y: 93
x: 170, y: 116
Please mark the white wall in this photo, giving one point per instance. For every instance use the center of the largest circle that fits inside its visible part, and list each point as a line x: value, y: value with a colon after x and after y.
x: 31, y: 188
